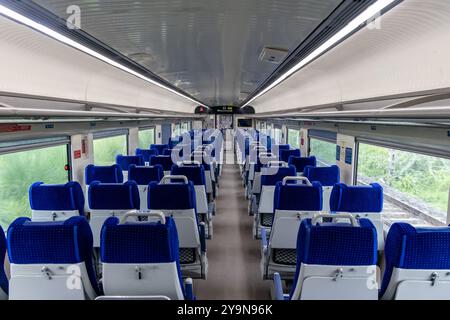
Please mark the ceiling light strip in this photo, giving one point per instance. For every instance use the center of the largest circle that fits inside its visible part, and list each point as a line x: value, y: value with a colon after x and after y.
x: 66, y: 40
x: 353, y: 25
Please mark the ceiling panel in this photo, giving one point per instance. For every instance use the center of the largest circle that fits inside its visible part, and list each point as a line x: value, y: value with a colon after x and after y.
x: 208, y: 48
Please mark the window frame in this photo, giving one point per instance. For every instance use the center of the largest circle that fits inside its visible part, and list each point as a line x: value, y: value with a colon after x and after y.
x: 98, y: 135
x: 323, y: 140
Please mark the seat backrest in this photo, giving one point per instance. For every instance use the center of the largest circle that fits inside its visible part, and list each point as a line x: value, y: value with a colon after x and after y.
x: 285, y: 154
x: 417, y: 263
x: 146, y: 153
x: 103, y: 174
x: 141, y: 258
x: 336, y: 260
x: 126, y: 161
x: 327, y: 176
x: 159, y: 147
x: 300, y: 163
x: 271, y: 175
x: 143, y: 175
x: 171, y: 196
x: 45, y: 257
x: 4, y: 282
x: 165, y: 161
x: 114, y: 196
x: 55, y: 202
x: 194, y: 172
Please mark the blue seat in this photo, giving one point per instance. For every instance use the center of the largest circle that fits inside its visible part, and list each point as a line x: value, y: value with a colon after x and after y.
x: 417, y: 263
x: 292, y: 204
x: 146, y: 153
x: 142, y: 259
x: 300, y: 163
x: 165, y: 161
x: 159, y: 147
x: 51, y: 260
x: 103, y: 174
x: 4, y: 282
x: 143, y: 175
x: 56, y: 202
x: 360, y: 201
x: 126, y: 161
x: 285, y: 154
x: 174, y: 141
x: 335, y: 261
x: 178, y: 199
x: 327, y: 176
x: 108, y: 199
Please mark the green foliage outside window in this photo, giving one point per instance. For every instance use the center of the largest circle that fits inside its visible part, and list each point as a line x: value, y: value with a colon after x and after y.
x: 106, y: 149
x: 294, y: 138
x: 146, y: 138
x: 324, y: 151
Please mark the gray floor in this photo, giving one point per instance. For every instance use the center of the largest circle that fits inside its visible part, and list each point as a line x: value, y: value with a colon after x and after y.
x: 233, y: 254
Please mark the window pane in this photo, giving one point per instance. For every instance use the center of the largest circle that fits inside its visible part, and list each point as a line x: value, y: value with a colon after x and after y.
x: 176, y: 131
x: 324, y: 151
x: 106, y: 149
x: 184, y: 127
x: 277, y: 136
x: 293, y: 138
x: 146, y: 138
x: 416, y: 186
x: 21, y: 169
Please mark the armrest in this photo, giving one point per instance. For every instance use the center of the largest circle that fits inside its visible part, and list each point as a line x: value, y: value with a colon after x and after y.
x: 202, y: 232
x: 264, y: 241
x: 278, y: 286
x: 189, y: 289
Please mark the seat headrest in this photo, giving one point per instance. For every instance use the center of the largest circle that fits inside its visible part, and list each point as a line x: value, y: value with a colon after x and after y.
x: 300, y: 163
x: 106, y: 196
x: 125, y: 161
x: 65, y: 242
x: 285, y: 154
x: 159, y: 147
x: 356, y: 198
x: 282, y: 147
x: 165, y: 161
x: 104, y: 174
x: 4, y: 282
x: 139, y: 242
x: 327, y: 176
x: 337, y: 244
x: 57, y: 197
x: 144, y: 175
x: 146, y: 153
x: 298, y: 197
x: 171, y: 196
x: 270, y: 179
x: 194, y: 173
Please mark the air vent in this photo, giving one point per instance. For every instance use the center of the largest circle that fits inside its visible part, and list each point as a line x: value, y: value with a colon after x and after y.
x: 273, y: 55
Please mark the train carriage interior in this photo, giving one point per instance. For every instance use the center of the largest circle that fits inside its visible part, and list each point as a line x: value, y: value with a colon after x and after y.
x: 225, y: 150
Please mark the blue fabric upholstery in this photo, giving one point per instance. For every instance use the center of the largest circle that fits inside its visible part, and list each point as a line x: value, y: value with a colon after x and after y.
x: 105, y: 196
x: 4, y: 284
x: 174, y: 141
x: 285, y: 154
x: 144, y: 175
x: 159, y: 147
x: 298, y: 197
x: 272, y: 179
x: 327, y: 176
x: 336, y: 244
x: 356, y: 198
x: 66, y: 242
x: 194, y: 173
x: 57, y: 197
x: 146, y: 153
x: 408, y: 247
x: 126, y: 161
x: 140, y: 243
x: 300, y: 163
x: 171, y: 196
x: 103, y: 174
x: 165, y: 161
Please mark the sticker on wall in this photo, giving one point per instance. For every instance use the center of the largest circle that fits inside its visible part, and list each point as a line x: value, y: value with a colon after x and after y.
x: 338, y: 153
x: 348, y: 155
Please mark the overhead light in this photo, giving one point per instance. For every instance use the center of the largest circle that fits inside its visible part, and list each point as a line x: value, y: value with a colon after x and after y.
x: 58, y: 36
x: 365, y: 16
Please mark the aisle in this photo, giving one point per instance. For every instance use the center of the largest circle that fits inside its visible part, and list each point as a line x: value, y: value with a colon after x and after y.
x: 233, y: 254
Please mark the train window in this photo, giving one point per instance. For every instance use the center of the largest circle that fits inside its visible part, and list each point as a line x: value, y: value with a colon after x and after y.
x: 324, y: 151
x: 184, y: 127
x: 106, y: 149
x: 416, y: 186
x: 277, y: 136
x: 146, y: 138
x: 176, y: 130
x: 18, y: 170
x: 294, y: 138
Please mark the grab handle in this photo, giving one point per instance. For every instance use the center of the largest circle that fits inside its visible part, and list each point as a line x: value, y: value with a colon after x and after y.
x: 166, y: 179
x: 136, y: 213
x: 334, y: 216
x: 286, y: 179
